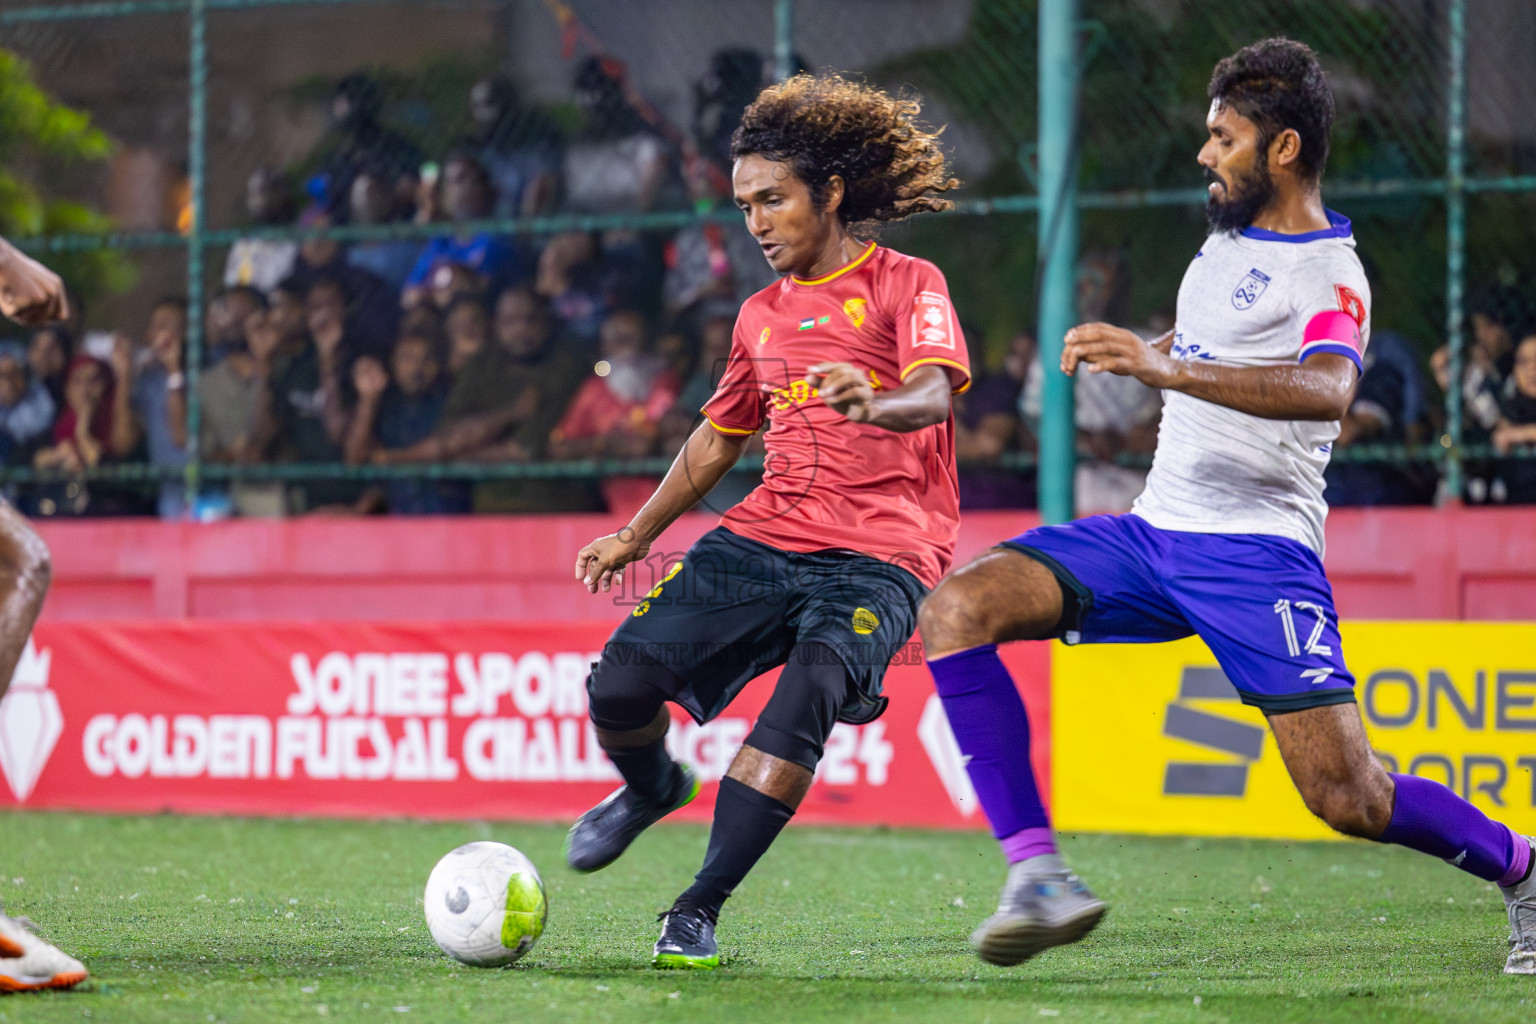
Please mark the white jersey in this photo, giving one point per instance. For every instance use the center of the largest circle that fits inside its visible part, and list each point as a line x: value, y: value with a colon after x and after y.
x: 1246, y: 300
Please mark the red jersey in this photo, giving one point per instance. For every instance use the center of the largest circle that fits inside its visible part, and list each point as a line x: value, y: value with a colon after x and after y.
x: 830, y: 483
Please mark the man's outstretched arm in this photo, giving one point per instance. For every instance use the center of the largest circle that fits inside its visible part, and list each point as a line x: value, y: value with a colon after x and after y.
x: 1318, y: 389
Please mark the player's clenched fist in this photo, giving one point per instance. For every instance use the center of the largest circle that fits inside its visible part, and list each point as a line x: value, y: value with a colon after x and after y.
x: 1108, y: 349
x: 601, y: 563
x: 30, y: 293
x: 845, y: 388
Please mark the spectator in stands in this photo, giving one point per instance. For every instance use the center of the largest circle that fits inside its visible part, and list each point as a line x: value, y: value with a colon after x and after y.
x: 1116, y: 417
x: 400, y: 408
x: 1498, y: 316
x: 374, y: 203
x: 373, y: 311
x: 359, y: 140
x: 735, y: 77
x: 26, y: 408
x: 95, y: 426
x: 699, y: 385
x: 572, y: 277
x: 503, y: 406
x: 312, y: 403
x: 468, y: 327
x: 519, y: 147
x: 235, y: 397
x: 262, y: 262
x: 618, y: 410
x: 619, y: 163
x: 48, y: 355
x: 1517, y: 427
x: 1388, y: 408
x: 159, y: 400
x: 224, y: 321
x: 988, y: 425
x: 712, y: 266
x: 465, y: 195
x: 232, y: 394
x: 288, y: 316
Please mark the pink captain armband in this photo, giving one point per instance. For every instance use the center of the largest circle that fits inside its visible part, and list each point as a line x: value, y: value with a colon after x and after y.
x: 1335, y: 333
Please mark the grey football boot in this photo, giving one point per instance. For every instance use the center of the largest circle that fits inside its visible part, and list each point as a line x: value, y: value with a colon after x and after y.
x: 1043, y: 905
x: 1520, y: 900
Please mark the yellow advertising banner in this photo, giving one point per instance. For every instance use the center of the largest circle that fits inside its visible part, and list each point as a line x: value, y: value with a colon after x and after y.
x: 1151, y: 737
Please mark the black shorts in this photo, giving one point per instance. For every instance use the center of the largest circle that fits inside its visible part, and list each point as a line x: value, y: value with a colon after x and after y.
x: 734, y: 608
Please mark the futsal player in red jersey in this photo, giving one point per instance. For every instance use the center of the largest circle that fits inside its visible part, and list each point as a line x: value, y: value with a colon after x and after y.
x: 850, y: 361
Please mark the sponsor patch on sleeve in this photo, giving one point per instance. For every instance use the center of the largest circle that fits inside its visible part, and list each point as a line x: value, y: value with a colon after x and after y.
x: 932, y: 321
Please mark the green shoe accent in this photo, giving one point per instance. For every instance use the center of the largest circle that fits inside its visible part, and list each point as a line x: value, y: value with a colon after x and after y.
x: 678, y: 962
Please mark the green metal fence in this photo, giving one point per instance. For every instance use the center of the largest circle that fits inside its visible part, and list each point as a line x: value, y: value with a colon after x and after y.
x: 1081, y: 120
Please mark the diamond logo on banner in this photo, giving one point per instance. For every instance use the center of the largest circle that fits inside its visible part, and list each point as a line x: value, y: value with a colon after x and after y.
x: 30, y: 722
x: 939, y: 741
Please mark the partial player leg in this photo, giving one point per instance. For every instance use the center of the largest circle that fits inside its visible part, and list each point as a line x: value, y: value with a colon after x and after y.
x: 1006, y: 595
x: 766, y: 782
x: 1326, y: 751
x: 26, y: 961
x: 631, y: 720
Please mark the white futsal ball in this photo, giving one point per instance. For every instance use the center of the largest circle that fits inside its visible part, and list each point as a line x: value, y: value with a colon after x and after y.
x: 485, y: 904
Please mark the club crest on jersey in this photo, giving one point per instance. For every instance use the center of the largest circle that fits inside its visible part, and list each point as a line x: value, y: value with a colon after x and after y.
x: 853, y: 309
x: 1249, y: 289
x: 762, y: 339
x: 1351, y: 303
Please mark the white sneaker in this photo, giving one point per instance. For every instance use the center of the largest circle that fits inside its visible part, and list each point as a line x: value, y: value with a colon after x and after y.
x: 1520, y: 900
x: 1043, y: 905
x: 27, y: 963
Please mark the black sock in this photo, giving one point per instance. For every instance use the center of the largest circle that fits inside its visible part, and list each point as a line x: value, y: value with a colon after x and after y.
x: 746, y: 824
x: 647, y: 770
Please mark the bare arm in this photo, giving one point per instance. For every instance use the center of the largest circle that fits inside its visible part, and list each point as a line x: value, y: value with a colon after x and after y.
x: 1318, y: 389
x: 702, y: 463
x: 921, y: 402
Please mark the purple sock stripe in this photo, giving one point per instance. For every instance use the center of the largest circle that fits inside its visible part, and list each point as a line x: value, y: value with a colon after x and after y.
x: 1521, y: 860
x: 1027, y: 843
x: 991, y: 728
x: 1433, y: 819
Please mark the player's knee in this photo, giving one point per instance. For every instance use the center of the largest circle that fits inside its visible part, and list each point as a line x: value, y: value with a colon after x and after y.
x: 619, y: 698
x: 1349, y: 807
x: 954, y: 616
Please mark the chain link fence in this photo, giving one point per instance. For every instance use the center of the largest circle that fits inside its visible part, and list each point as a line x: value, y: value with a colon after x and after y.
x: 216, y: 149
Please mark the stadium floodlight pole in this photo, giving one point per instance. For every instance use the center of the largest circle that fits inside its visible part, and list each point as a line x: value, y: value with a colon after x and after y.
x: 783, y: 39
x: 1057, y: 254
x: 1455, y: 240
x: 197, y: 167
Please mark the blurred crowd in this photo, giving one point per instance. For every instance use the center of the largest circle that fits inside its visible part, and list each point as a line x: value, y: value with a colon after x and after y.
x: 479, y: 346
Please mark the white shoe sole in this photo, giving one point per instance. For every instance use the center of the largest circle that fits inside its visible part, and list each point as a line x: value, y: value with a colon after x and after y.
x: 1006, y: 941
x: 1521, y: 963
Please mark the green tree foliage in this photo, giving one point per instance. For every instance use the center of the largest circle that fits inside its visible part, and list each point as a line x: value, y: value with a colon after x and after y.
x: 38, y: 136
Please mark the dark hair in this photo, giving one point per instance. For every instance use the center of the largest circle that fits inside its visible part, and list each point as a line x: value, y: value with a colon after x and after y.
x: 825, y: 125
x: 541, y: 304
x: 254, y: 294
x: 1278, y: 84
x: 472, y: 301
x: 177, y: 302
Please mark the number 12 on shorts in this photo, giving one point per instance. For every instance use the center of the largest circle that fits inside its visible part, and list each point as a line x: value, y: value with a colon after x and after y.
x: 1288, y: 621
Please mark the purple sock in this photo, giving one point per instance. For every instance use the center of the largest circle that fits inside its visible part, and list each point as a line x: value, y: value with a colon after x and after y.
x: 1432, y: 819
x: 987, y: 717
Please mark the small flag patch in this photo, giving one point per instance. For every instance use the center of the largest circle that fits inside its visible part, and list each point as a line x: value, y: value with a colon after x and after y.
x: 807, y: 323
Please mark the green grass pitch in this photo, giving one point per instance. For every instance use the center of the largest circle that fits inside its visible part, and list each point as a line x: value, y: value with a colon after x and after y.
x: 208, y: 919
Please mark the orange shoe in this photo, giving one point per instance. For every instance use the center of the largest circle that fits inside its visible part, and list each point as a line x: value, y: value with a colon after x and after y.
x: 27, y: 963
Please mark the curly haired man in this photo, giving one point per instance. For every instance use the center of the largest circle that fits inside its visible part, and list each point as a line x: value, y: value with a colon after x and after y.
x: 850, y: 360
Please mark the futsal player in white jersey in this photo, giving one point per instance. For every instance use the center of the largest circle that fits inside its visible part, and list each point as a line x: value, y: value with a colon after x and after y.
x: 1227, y: 538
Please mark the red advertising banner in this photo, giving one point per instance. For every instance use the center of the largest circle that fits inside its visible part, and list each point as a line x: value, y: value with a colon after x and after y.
x: 417, y: 720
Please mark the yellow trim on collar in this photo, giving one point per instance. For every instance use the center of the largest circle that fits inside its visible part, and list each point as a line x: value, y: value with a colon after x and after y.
x: 841, y: 270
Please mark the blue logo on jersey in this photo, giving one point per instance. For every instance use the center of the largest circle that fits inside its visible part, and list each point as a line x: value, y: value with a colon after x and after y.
x: 1249, y: 289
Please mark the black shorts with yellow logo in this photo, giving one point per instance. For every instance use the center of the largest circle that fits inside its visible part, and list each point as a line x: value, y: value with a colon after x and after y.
x: 733, y: 608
